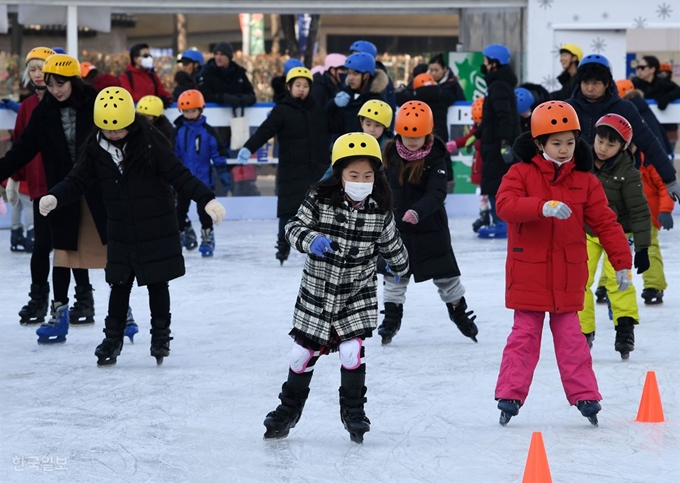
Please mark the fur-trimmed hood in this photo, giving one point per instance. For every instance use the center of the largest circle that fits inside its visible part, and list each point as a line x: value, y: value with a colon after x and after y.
x: 525, y: 149
x: 377, y: 84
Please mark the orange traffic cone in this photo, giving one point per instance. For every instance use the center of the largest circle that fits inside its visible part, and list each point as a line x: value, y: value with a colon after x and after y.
x: 650, y: 410
x: 537, y: 469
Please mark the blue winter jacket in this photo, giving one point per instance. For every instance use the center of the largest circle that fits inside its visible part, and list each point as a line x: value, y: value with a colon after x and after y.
x: 197, y: 144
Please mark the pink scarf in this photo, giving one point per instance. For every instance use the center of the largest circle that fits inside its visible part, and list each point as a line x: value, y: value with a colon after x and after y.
x: 407, y: 155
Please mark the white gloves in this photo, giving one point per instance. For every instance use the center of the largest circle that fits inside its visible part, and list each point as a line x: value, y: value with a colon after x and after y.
x: 12, y: 191
x: 624, y: 278
x: 47, y: 204
x: 213, y: 208
x: 557, y: 209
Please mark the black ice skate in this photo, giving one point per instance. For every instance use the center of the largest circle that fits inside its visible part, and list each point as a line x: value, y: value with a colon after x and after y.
x: 652, y: 296
x: 160, y: 339
x: 462, y: 319
x: 625, y: 337
x: 35, y: 310
x: 17, y: 241
x: 282, y: 250
x: 82, y: 311
x: 352, y: 399
x: 483, y: 220
x: 108, y: 351
x: 509, y: 408
x: 392, y: 321
x: 188, y: 238
x: 293, y: 396
x: 589, y: 409
x: 601, y: 295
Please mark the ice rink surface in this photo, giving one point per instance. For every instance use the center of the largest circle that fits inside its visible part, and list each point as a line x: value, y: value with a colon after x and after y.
x: 198, y: 418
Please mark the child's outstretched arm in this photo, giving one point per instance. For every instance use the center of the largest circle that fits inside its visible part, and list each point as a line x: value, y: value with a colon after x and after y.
x: 392, y: 249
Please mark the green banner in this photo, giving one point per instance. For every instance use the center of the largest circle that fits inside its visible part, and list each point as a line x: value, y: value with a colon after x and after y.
x: 256, y: 34
x: 465, y: 65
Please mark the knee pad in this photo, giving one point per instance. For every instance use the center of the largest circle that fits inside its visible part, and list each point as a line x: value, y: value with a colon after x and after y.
x: 299, y: 358
x: 350, y: 352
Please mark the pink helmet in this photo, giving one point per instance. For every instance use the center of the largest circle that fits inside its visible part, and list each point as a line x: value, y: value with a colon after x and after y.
x: 334, y: 60
x: 318, y: 69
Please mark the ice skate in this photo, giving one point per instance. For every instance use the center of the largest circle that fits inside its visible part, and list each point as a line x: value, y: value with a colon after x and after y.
x: 652, y: 296
x: 509, y: 408
x: 460, y: 316
x: 498, y: 230
x: 188, y: 238
x: 601, y: 295
x: 589, y: 409
x: 293, y: 396
x: 207, y: 242
x: 17, y: 241
x: 282, y: 250
x: 483, y: 220
x: 82, y: 311
x: 108, y: 351
x: 160, y: 339
x: 625, y: 337
x: 131, y: 327
x: 352, y: 399
x: 391, y: 323
x: 54, y: 330
x: 35, y: 310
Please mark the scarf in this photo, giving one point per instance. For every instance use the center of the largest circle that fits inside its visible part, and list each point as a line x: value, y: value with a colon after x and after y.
x: 407, y: 155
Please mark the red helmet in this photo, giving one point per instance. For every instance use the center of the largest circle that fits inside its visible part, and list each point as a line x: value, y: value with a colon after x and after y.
x: 619, y: 124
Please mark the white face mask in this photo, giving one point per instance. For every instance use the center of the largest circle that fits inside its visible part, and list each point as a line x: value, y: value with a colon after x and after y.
x: 147, y: 62
x: 558, y: 163
x: 358, y: 191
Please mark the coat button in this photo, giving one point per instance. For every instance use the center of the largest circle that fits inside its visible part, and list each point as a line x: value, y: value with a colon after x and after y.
x: 340, y: 218
x: 335, y: 246
x: 360, y: 222
x: 354, y: 251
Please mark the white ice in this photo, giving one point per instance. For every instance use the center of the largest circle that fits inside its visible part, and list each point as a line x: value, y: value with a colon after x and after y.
x: 198, y: 417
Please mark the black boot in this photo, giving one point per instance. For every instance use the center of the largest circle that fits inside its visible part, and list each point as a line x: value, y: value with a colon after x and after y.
x: 35, y: 310
x: 108, y: 351
x: 462, y: 319
x: 625, y: 337
x: 652, y: 296
x: 293, y: 396
x: 601, y: 295
x: 483, y: 220
x: 392, y: 321
x: 82, y: 311
x: 282, y: 250
x: 17, y: 241
x: 352, y: 400
x: 160, y: 338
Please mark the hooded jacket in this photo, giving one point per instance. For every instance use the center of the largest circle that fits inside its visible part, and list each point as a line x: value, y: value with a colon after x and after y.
x: 547, y: 262
x: 345, y: 119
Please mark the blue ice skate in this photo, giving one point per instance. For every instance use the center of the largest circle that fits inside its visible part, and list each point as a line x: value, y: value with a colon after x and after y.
x: 207, y: 242
x: 498, y: 230
x: 131, y: 327
x: 55, y: 329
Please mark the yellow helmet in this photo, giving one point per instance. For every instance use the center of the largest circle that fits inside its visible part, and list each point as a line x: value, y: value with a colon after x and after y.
x: 113, y: 109
x: 355, y: 144
x: 573, y: 49
x: 40, y: 53
x: 61, y: 64
x: 150, y: 106
x: 300, y: 72
x: 379, y: 111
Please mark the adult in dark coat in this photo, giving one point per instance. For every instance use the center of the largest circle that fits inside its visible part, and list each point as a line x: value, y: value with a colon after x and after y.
x: 570, y: 56
x: 597, y: 95
x: 225, y: 82
x: 652, y: 122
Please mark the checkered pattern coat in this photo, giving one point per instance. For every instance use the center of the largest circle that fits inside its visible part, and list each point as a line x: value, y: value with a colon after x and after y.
x: 339, y: 291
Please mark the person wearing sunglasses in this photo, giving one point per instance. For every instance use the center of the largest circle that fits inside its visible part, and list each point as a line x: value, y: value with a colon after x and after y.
x: 139, y: 78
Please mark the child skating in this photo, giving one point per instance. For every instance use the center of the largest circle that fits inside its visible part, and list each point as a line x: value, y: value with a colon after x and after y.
x: 343, y: 224
x: 546, y: 200
x: 135, y: 168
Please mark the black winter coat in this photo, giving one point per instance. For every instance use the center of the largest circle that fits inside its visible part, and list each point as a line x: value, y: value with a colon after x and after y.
x: 226, y: 85
x: 44, y: 134
x: 663, y: 91
x: 344, y: 119
x: 589, y: 113
x: 142, y: 221
x: 429, y: 241
x: 304, y: 148
x: 653, y: 123
x: 568, y: 82
x: 500, y: 121
x: 439, y: 98
x: 324, y: 89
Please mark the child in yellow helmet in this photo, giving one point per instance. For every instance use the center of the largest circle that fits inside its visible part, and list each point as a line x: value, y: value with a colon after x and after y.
x: 152, y: 108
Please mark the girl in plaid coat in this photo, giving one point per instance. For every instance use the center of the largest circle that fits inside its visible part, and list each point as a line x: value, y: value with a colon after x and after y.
x: 343, y: 224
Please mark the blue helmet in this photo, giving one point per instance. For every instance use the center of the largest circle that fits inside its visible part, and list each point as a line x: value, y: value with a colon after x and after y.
x: 361, y: 62
x: 497, y: 52
x: 595, y: 59
x: 364, y: 46
x: 525, y: 99
x: 193, y: 55
x: 58, y: 50
x: 291, y: 63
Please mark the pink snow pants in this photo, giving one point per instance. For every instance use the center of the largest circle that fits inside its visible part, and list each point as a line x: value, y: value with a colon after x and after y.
x: 523, y: 349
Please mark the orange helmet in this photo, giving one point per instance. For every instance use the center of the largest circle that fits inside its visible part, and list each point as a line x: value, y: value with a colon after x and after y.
x: 619, y: 124
x: 190, y: 99
x: 665, y: 67
x: 553, y: 117
x: 477, y: 107
x: 423, y: 79
x: 86, y: 68
x: 414, y: 119
x: 624, y: 86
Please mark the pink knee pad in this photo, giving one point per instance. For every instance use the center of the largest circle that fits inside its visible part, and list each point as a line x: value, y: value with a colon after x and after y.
x: 299, y: 358
x: 350, y: 353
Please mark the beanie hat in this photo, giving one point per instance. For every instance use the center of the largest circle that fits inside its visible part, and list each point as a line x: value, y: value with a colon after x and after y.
x: 225, y: 48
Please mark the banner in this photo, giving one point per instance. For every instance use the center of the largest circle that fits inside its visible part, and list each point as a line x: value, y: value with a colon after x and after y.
x: 465, y: 65
x: 256, y: 34
x: 304, y: 21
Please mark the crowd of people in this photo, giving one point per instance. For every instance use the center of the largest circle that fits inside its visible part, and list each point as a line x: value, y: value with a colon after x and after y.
x: 364, y: 171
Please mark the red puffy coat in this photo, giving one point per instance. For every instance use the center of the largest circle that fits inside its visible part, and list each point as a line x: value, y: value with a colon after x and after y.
x: 31, y: 176
x: 143, y: 82
x: 546, y: 266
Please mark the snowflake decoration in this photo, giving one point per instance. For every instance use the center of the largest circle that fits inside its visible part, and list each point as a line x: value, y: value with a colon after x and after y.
x: 639, y: 23
x: 576, y: 17
x: 546, y: 4
x: 664, y: 11
x: 548, y: 25
x: 598, y: 45
x: 605, y: 15
x: 556, y: 50
x: 550, y: 82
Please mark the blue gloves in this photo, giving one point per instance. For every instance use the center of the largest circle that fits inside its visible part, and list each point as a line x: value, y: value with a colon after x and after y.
x: 666, y: 220
x: 396, y: 277
x: 320, y: 246
x: 341, y: 99
x: 224, y: 175
x: 641, y: 260
x: 243, y: 155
